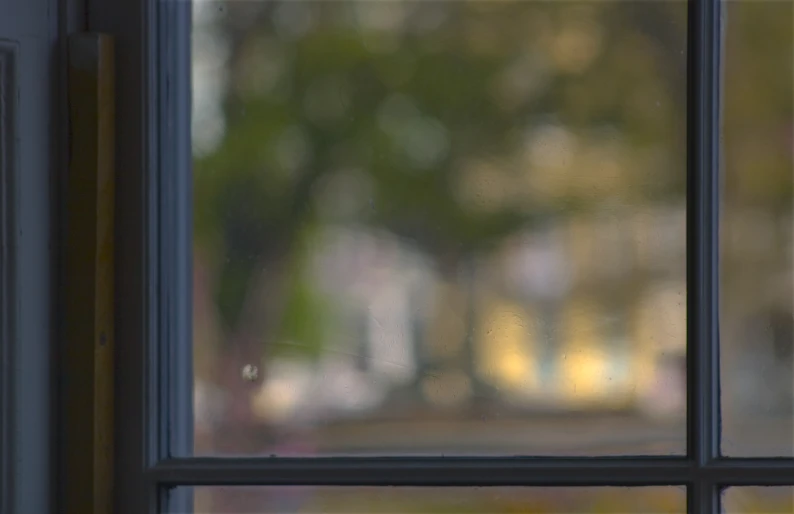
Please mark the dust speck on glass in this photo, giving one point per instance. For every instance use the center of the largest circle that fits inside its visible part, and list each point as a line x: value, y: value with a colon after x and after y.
x: 250, y: 373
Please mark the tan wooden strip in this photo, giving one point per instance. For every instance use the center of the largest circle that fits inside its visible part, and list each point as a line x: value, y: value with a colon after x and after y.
x: 88, y: 388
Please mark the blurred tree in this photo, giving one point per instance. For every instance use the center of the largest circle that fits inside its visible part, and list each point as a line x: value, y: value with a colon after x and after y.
x: 756, y: 225
x: 415, y: 118
x: 425, y: 119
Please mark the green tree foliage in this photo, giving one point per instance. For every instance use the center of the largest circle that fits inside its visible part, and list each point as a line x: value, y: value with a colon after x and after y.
x: 404, y: 116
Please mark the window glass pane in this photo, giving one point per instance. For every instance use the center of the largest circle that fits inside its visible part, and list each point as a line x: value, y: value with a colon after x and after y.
x: 439, y: 227
x: 756, y: 317
x: 758, y: 500
x: 414, y: 500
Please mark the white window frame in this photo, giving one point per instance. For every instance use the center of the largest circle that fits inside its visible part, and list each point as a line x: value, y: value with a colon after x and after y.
x: 154, y: 301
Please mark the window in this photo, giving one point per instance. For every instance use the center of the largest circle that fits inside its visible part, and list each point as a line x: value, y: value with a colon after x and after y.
x: 511, y: 303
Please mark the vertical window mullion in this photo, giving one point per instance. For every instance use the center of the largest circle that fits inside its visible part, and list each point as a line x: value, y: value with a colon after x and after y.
x: 704, y: 44
x: 703, y: 498
x: 175, y: 266
x: 172, y: 352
